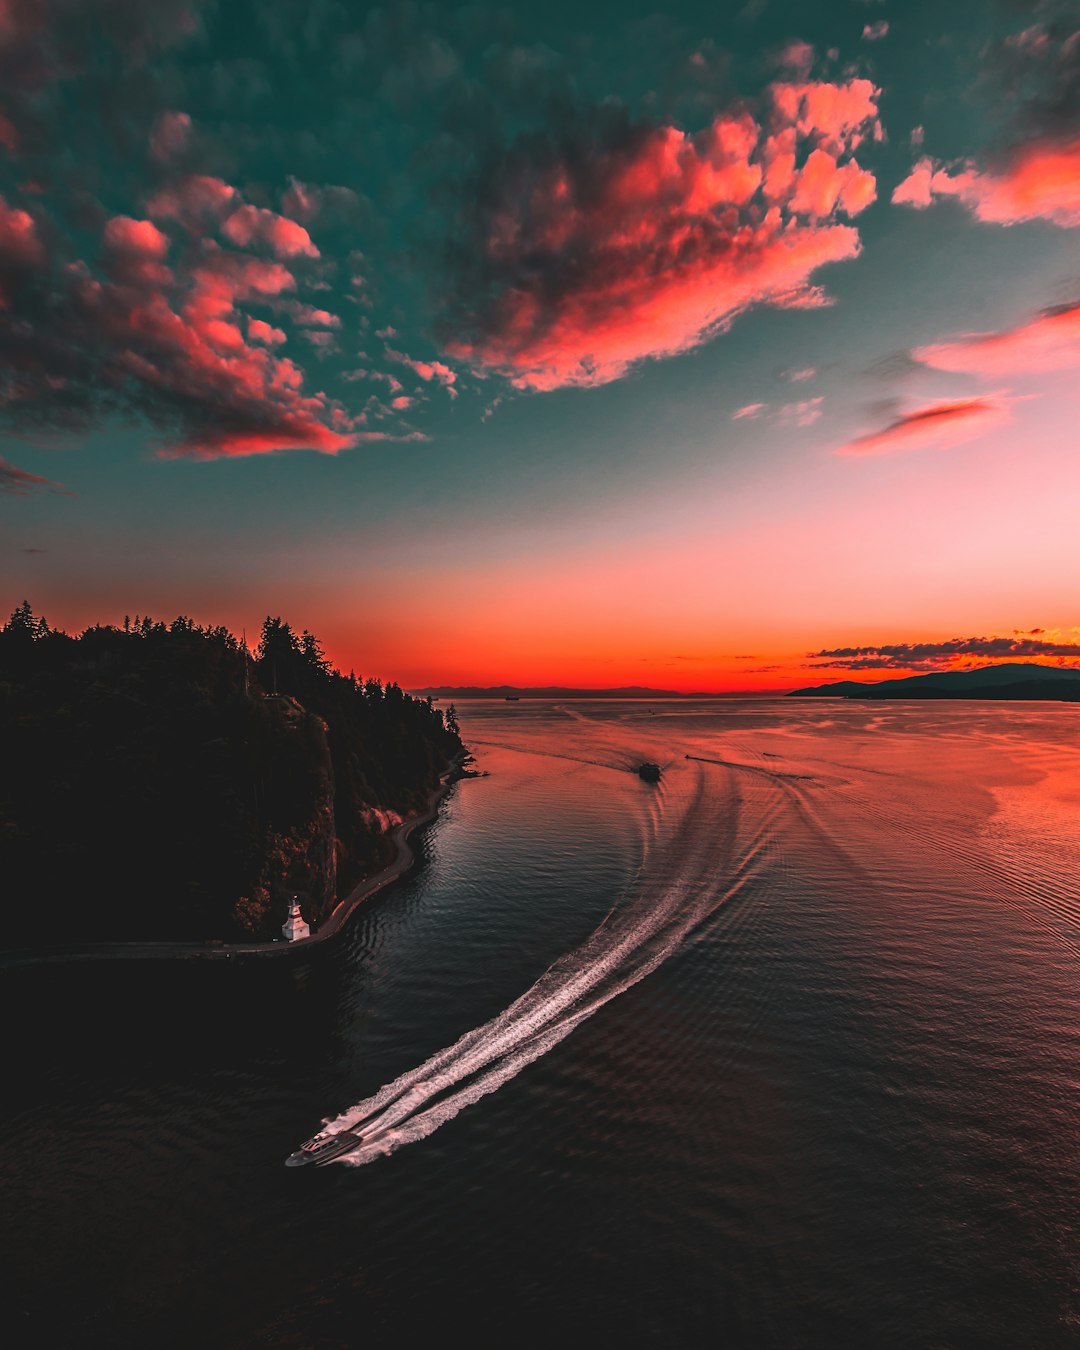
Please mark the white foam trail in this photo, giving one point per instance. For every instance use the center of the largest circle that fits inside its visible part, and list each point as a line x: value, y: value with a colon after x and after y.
x: 425, y: 1122
x: 627, y: 946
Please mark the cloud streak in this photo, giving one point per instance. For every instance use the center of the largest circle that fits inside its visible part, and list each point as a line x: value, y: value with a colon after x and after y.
x: 19, y: 483
x: 937, y: 426
x: 1048, y: 342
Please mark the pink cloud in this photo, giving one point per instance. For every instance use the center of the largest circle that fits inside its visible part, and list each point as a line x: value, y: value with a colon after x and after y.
x: 797, y: 56
x: 310, y: 317
x: 939, y: 426
x: 803, y: 297
x: 135, y: 251
x: 802, y: 414
x: 301, y: 200
x: 649, y: 249
x: 843, y: 115
x: 751, y: 410
x: 171, y: 349
x: 21, y: 251
x: 9, y: 137
x: 192, y: 200
x: 822, y: 184
x: 283, y: 237
x: 320, y: 339
x: 1051, y: 341
x: 403, y: 435
x: 392, y: 383
x: 19, y: 241
x: 874, y: 32
x: 426, y: 370
x: 169, y: 135
x: 1040, y: 182
x: 258, y: 331
x: 141, y: 237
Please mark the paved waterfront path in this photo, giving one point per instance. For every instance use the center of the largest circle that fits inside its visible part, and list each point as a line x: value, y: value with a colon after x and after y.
x: 402, y: 861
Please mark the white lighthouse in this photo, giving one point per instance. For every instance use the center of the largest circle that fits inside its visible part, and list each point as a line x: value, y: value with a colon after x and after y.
x: 294, y: 927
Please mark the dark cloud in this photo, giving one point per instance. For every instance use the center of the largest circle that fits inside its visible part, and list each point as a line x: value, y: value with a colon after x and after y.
x: 943, y: 655
x: 1033, y: 71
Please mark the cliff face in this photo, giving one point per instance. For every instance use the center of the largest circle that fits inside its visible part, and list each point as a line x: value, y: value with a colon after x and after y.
x: 300, y: 848
x: 147, y: 768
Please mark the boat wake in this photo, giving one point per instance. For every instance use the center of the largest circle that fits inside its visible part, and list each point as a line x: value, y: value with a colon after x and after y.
x: 687, y: 874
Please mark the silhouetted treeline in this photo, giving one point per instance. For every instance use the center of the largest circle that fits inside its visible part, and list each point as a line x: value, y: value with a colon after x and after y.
x: 157, y: 781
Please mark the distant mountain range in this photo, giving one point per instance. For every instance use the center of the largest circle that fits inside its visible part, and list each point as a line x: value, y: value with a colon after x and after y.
x: 1013, y: 680
x: 546, y: 691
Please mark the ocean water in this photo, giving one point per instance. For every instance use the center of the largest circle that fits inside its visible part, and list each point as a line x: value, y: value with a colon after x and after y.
x: 783, y: 1051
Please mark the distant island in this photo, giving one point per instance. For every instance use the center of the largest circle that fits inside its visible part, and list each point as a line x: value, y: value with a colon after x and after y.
x: 159, y: 782
x: 1012, y: 680
x: 512, y: 691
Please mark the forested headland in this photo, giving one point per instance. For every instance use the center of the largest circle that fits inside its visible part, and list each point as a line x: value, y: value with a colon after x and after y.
x: 158, y: 781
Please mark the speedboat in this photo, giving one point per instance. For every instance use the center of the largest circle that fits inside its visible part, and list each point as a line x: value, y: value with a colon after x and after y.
x: 649, y: 771
x: 324, y: 1148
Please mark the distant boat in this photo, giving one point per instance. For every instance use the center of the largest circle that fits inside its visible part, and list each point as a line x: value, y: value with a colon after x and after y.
x: 649, y: 772
x: 513, y: 698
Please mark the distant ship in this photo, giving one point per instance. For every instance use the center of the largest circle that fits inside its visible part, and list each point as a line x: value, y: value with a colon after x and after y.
x: 513, y: 698
x: 649, y: 771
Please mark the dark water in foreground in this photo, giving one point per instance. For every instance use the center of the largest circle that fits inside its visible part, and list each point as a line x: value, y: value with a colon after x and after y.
x: 783, y: 1052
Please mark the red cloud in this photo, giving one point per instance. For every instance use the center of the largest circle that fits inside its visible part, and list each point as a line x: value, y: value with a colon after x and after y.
x: 940, y: 426
x: 283, y: 237
x: 1041, y: 182
x: 599, y: 260
x: 1049, y: 342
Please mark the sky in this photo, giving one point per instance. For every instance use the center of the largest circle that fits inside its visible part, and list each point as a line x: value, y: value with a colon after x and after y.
x: 723, y: 347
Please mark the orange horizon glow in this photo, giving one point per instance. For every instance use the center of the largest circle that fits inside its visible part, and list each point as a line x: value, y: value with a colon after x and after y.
x: 762, y: 673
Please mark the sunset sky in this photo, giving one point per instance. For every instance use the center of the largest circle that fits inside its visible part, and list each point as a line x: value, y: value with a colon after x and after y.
x: 728, y: 347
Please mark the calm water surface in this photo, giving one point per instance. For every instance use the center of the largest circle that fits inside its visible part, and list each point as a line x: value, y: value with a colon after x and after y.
x: 781, y: 1052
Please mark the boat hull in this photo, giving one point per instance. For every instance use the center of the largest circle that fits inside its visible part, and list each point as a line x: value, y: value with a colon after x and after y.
x: 335, y: 1146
